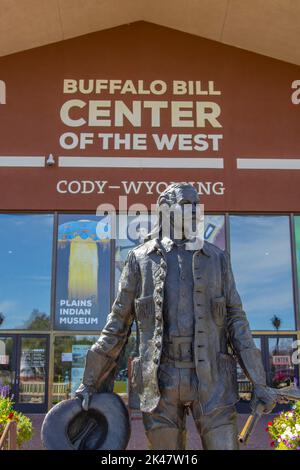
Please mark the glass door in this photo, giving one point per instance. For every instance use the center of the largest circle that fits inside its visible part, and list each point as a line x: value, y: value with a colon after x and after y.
x: 277, y: 351
x: 24, y: 364
x: 8, y: 366
x: 32, y: 373
x: 281, y: 371
x: 244, y: 384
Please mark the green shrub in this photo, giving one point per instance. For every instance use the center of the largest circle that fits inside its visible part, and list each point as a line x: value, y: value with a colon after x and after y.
x: 24, y: 425
x: 285, y: 429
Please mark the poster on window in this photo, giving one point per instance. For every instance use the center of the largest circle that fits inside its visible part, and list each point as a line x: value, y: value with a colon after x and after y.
x: 79, y: 352
x: 83, y: 272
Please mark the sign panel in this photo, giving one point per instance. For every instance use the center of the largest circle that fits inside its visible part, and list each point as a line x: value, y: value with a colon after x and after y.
x: 66, y: 357
x: 33, y: 358
x: 79, y: 352
x: 281, y: 360
x: 83, y: 273
x: 4, y: 359
x: 126, y: 111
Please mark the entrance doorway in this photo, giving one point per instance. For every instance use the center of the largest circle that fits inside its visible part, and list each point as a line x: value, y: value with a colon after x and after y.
x: 277, y: 351
x: 24, y: 364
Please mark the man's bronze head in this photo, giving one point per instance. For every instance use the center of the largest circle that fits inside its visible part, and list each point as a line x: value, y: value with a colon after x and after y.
x: 178, y: 193
x: 179, y: 212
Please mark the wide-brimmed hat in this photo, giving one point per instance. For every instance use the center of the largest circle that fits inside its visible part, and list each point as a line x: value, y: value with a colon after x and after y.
x: 105, y: 426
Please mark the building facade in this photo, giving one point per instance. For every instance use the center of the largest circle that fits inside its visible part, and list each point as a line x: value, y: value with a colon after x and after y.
x: 99, y: 125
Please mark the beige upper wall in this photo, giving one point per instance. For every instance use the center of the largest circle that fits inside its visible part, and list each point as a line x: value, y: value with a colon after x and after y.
x: 269, y: 27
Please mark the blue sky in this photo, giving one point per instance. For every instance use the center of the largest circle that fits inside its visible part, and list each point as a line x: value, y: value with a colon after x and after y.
x: 261, y: 261
x: 25, y: 270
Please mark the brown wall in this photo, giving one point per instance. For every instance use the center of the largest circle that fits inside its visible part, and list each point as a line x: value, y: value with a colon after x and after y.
x: 257, y: 115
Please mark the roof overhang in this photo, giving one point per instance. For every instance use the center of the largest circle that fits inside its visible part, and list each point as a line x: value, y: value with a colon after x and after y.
x: 269, y: 27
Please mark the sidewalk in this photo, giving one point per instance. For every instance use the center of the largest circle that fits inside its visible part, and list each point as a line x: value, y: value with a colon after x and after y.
x: 259, y: 439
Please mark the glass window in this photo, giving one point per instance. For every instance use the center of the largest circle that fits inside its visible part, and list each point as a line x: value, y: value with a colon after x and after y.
x: 214, y: 232
x: 69, y: 361
x: 7, y: 366
x: 83, y: 272
x: 32, y: 385
x: 25, y: 272
x: 261, y: 261
x: 130, y: 232
x: 282, y: 371
x: 244, y: 384
x: 297, y: 238
x: 121, y: 379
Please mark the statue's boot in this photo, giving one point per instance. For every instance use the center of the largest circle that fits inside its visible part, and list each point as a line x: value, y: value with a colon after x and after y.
x: 166, y: 439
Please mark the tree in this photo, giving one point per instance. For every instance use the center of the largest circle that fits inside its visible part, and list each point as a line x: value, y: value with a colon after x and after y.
x: 276, y: 322
x: 37, y: 321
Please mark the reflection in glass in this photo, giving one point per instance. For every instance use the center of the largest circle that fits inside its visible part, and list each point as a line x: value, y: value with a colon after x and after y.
x: 297, y: 239
x: 69, y: 356
x: 69, y: 361
x: 32, y: 370
x: 121, y: 380
x: 282, y: 370
x: 7, y: 369
x: 130, y: 233
x: 244, y: 384
x: 214, y: 232
x: 83, y: 272
x: 261, y: 261
x: 25, y: 274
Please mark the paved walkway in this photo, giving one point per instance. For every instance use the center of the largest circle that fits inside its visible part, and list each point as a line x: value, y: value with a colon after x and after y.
x: 259, y: 439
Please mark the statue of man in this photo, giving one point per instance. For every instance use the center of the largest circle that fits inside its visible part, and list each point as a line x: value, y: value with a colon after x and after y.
x: 181, y: 292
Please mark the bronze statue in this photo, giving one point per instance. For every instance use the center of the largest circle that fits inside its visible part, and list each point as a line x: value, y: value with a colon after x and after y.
x: 181, y: 292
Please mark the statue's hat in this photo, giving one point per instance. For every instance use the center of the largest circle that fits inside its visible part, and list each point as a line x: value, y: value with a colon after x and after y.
x: 105, y: 426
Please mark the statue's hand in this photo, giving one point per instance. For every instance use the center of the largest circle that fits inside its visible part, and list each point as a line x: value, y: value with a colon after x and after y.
x: 265, y: 395
x: 85, y: 393
x: 97, y: 376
